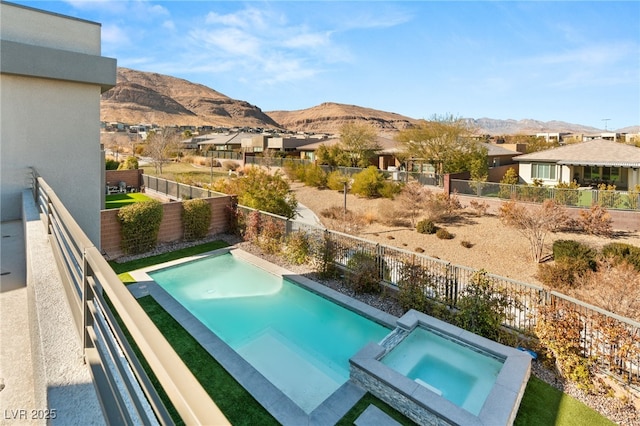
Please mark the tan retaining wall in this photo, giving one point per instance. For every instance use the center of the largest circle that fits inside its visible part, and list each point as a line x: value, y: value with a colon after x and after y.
x: 132, y: 178
x: 170, y: 227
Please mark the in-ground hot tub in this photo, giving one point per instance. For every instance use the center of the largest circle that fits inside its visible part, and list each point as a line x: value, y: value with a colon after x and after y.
x: 436, y: 373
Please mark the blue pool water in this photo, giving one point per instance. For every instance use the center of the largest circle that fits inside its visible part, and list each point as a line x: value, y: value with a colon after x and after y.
x: 456, y: 372
x: 298, y: 340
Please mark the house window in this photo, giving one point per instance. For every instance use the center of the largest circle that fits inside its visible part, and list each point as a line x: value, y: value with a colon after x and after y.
x: 611, y: 174
x: 543, y: 171
x: 592, y: 172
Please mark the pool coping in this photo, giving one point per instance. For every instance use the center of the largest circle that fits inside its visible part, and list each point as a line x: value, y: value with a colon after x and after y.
x: 269, y: 396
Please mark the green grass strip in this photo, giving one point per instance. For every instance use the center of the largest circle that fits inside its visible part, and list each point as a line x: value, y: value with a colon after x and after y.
x: 116, y: 201
x: 542, y: 405
x: 234, y: 401
x: 121, y: 268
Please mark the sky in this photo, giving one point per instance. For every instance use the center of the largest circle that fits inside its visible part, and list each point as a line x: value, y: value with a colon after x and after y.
x: 572, y: 61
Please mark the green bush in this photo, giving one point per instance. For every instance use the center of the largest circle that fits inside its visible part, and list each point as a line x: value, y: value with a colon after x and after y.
x: 390, y: 189
x: 563, y: 274
x: 368, y: 182
x: 623, y: 252
x: 323, y: 256
x: 483, y: 306
x: 297, y: 248
x: 140, y: 225
x: 413, y: 287
x: 196, y: 218
x: 570, y: 249
x: 315, y: 176
x: 131, y: 163
x: 363, y: 275
x: 443, y: 234
x: 111, y: 164
x: 426, y: 226
x: 336, y: 180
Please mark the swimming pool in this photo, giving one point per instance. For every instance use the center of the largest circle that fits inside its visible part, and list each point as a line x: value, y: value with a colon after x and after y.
x: 300, y: 341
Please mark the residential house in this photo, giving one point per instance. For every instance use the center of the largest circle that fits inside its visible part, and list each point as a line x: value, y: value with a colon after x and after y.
x: 592, y: 162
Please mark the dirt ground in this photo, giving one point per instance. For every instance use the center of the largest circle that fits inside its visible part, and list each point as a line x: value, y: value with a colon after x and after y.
x: 498, y: 249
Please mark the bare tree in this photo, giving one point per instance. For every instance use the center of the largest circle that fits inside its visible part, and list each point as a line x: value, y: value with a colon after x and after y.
x: 115, y: 142
x: 160, y: 145
x: 412, y: 200
x: 534, y: 222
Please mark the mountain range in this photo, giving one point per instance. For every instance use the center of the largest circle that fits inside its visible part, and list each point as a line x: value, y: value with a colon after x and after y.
x: 143, y: 97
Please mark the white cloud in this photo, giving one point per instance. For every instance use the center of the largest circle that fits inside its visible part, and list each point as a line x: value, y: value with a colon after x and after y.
x: 115, y: 35
x: 169, y: 25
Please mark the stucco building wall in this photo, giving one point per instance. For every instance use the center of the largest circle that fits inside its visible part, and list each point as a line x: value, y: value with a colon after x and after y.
x: 51, y: 79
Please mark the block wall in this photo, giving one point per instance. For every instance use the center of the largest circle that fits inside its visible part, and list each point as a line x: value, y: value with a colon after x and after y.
x: 170, y: 227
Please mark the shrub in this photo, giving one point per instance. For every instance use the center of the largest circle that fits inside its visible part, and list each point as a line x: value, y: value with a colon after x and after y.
x: 507, y: 182
x: 480, y: 208
x: 567, y: 193
x: 253, y: 226
x: 196, y: 218
x: 271, y: 236
x: 623, y: 252
x: 230, y: 165
x: 596, y: 221
x: 111, y: 164
x: 292, y: 169
x: 443, y: 234
x: 368, y: 182
x: 323, y: 255
x: 559, y: 328
x: 336, y: 180
x: 390, y: 189
x: 442, y: 206
x: 140, y: 224
x: 426, y: 226
x: 314, y: 176
x: 363, y: 273
x: 483, y: 307
x: 608, y: 196
x: 413, y: 286
x: 563, y: 274
x: 389, y: 214
x: 297, y: 248
x: 570, y: 249
x: 261, y: 190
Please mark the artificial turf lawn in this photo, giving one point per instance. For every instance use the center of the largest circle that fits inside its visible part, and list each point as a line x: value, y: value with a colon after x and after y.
x: 542, y: 404
x: 115, y: 201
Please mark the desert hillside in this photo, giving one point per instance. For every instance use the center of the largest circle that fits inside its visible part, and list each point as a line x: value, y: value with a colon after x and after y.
x: 143, y: 97
x: 328, y: 117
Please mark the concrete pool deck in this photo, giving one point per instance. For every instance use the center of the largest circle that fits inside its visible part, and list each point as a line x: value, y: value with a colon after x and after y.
x: 269, y: 396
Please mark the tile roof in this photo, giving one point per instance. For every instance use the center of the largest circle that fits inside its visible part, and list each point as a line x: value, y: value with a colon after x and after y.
x: 596, y: 152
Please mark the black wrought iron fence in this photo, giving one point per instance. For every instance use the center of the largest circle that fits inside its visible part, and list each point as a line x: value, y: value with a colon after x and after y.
x: 448, y: 283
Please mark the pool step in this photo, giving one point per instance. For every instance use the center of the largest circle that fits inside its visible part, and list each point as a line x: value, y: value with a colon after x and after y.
x: 373, y: 416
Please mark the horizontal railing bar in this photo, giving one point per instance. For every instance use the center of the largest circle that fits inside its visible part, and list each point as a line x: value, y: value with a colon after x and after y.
x: 186, y: 393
